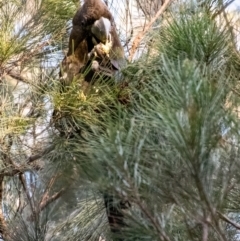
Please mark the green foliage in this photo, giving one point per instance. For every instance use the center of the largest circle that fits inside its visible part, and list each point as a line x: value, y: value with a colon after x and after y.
x: 54, y: 14
x: 165, y: 139
x: 172, y: 153
x: 27, y: 25
x: 78, y: 111
x: 163, y: 153
x: 196, y: 37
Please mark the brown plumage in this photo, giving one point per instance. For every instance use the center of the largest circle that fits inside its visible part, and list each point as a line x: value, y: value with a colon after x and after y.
x: 71, y: 64
x: 93, y: 25
x: 84, y: 18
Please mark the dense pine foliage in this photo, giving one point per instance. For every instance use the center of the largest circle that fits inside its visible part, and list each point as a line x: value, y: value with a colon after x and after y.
x: 162, y: 139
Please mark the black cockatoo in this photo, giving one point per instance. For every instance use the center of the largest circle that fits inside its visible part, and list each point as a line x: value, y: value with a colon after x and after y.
x: 83, y: 21
x: 93, y: 36
x: 94, y: 44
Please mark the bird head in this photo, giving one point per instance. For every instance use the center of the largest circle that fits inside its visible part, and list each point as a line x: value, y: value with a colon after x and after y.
x: 101, y: 29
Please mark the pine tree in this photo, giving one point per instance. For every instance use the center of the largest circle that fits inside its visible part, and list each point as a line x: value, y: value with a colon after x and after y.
x: 162, y: 143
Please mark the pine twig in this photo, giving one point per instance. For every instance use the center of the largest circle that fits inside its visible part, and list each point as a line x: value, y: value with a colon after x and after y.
x: 39, y: 155
x: 45, y: 197
x: 51, y: 199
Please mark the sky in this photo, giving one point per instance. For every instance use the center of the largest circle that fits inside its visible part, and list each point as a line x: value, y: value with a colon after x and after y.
x: 235, y: 5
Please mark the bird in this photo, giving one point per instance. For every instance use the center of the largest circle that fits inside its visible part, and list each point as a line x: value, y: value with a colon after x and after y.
x: 93, y: 38
x: 96, y: 52
x: 101, y: 57
x: 91, y: 11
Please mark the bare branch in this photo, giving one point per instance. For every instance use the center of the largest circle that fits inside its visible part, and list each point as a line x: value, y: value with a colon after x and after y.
x: 10, y: 173
x: 140, y: 36
x: 205, y: 232
x: 226, y: 219
x: 3, y: 229
x: 38, y: 156
x: 23, y: 181
x: 48, y: 188
x: 51, y: 199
